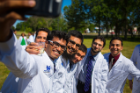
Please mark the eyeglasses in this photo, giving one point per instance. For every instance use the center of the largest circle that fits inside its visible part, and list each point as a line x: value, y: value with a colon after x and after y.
x: 94, y: 43
x: 73, y: 43
x: 56, y: 44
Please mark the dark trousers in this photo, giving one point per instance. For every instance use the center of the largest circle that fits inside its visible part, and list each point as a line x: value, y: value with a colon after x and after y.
x: 80, y: 88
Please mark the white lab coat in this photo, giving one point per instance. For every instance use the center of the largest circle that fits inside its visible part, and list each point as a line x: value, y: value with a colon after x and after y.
x: 118, y: 74
x: 30, y: 39
x: 59, y: 77
x: 58, y: 80
x: 99, y: 73
x: 34, y: 71
x: 136, y: 60
x: 67, y: 84
x: 70, y: 83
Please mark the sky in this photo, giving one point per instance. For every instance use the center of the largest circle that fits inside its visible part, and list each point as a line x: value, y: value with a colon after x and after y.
x: 64, y: 3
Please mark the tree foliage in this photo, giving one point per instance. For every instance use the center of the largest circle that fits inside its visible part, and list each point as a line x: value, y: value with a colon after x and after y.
x: 120, y: 15
x: 33, y: 23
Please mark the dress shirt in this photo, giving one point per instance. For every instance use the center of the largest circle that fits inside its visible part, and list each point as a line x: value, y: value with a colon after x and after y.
x: 115, y: 59
x: 82, y: 76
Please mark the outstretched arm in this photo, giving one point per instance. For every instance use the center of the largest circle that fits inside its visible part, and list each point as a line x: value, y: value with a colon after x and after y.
x: 11, y: 53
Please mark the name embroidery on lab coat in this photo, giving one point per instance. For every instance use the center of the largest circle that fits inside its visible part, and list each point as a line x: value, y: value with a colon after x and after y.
x: 48, y: 68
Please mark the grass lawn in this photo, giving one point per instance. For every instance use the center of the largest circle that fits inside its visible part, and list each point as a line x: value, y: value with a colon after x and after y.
x: 127, y: 51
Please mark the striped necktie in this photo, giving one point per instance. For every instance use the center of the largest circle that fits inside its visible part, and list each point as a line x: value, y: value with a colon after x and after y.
x: 88, y: 76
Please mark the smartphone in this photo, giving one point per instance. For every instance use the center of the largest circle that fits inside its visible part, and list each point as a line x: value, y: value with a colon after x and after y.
x: 44, y: 8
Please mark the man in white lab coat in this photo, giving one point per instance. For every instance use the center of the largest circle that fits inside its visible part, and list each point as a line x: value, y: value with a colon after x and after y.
x: 136, y: 60
x: 31, y: 38
x: 11, y: 82
x: 119, y: 67
x: 70, y: 83
x: 92, y: 74
x: 38, y: 81
x: 34, y: 70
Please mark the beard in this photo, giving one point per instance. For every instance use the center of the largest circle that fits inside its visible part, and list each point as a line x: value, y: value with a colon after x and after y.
x: 67, y: 56
x: 95, y: 51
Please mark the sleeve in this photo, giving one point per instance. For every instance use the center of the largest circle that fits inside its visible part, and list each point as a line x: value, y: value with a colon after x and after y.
x: 133, y: 70
x: 17, y: 60
x: 133, y: 59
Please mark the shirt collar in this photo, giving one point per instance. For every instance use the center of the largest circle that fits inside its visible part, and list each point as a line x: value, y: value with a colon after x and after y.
x: 94, y: 57
x: 115, y: 57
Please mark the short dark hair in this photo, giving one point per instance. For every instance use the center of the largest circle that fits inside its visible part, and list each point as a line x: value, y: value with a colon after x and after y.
x: 101, y: 38
x: 43, y: 29
x: 75, y: 33
x: 117, y: 38
x: 23, y: 33
x: 59, y: 34
x: 83, y: 48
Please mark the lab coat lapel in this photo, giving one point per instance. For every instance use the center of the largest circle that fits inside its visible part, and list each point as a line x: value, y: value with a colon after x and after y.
x: 98, y: 63
x: 118, y: 62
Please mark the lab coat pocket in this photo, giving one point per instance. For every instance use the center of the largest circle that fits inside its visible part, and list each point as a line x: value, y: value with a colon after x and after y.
x: 47, y: 73
x: 116, y: 77
x: 117, y: 74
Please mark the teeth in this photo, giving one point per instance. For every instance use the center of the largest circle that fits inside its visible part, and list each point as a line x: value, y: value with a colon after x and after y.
x: 56, y: 52
x: 71, y: 50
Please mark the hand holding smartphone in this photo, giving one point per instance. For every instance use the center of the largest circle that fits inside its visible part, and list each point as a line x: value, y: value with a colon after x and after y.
x: 44, y: 8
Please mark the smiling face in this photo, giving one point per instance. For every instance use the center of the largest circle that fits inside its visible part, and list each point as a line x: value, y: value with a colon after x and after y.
x: 78, y: 56
x: 97, y: 46
x: 73, y: 45
x: 41, y: 37
x: 115, y: 47
x: 52, y: 51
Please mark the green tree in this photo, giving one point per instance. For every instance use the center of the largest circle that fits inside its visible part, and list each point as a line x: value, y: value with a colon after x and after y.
x: 59, y: 24
x: 75, y: 14
x: 28, y: 29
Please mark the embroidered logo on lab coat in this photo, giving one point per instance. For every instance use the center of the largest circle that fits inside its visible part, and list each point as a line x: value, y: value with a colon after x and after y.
x: 48, y: 68
x: 62, y: 64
